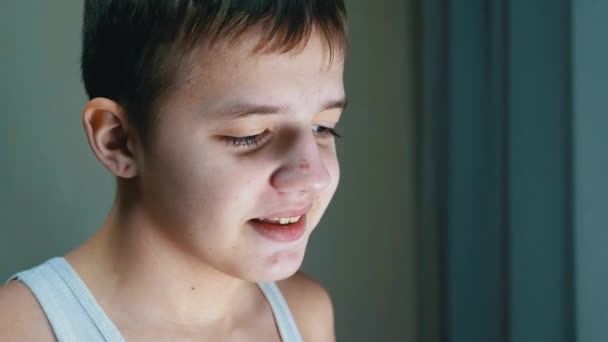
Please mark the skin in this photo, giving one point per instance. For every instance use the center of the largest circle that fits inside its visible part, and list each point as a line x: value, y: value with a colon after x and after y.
x: 176, y: 258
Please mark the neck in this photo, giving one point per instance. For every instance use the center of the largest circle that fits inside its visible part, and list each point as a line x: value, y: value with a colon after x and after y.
x: 135, y: 271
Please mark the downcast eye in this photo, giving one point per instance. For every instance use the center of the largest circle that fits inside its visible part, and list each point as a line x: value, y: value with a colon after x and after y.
x: 325, y: 132
x: 247, y: 141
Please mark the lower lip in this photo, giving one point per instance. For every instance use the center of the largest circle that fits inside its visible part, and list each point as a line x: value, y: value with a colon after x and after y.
x: 280, y: 233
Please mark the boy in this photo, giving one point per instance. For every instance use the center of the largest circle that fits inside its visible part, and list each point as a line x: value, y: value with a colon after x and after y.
x: 218, y: 119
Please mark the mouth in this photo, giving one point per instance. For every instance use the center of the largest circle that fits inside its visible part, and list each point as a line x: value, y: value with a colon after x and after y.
x: 278, y: 232
x: 282, y: 228
x: 283, y: 221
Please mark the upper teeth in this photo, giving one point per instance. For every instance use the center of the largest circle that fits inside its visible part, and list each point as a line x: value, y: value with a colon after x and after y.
x: 283, y: 220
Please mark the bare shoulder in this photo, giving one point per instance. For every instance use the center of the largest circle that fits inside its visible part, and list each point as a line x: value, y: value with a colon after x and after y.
x: 311, y: 307
x: 21, y: 317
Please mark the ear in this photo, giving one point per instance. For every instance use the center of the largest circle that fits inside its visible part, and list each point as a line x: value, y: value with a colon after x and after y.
x: 110, y: 137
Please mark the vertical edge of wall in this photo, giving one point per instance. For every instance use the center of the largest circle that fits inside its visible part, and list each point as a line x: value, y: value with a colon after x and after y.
x: 590, y: 77
x: 431, y: 168
x: 463, y: 171
x: 540, y: 169
x: 475, y: 269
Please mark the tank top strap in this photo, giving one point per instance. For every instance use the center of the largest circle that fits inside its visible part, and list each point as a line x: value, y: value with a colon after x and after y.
x: 283, y: 317
x: 70, y: 308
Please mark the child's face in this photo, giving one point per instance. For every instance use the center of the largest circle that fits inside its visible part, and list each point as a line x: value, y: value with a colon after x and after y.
x: 206, y: 191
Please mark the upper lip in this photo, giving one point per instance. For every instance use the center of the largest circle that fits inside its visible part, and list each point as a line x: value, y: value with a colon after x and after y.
x: 287, y: 213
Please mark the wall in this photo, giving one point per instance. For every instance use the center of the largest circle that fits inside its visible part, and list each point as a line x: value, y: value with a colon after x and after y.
x: 54, y: 193
x: 590, y: 81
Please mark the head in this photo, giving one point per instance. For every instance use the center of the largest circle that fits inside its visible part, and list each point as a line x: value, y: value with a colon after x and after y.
x: 215, y: 115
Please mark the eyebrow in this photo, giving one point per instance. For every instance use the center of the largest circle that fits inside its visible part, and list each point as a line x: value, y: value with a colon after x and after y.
x: 245, y: 109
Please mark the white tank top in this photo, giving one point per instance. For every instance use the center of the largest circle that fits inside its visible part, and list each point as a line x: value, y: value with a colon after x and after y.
x: 75, y: 315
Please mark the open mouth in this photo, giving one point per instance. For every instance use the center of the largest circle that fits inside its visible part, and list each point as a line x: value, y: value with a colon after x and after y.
x: 280, y: 229
x: 283, y: 221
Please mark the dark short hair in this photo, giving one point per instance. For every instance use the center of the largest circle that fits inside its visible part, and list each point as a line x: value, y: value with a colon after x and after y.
x: 131, y: 48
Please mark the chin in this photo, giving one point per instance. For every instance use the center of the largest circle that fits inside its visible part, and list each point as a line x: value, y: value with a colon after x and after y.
x: 279, y: 266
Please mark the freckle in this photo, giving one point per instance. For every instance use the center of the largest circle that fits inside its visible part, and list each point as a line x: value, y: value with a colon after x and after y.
x: 193, y: 288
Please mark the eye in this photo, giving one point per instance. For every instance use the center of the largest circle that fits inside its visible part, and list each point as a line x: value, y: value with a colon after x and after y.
x: 325, y: 132
x: 247, y: 141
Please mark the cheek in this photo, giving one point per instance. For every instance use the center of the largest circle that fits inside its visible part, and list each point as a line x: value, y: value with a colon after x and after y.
x: 213, y: 188
x: 184, y: 183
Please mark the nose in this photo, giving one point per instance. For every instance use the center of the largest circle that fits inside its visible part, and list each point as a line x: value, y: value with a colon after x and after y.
x: 303, y: 169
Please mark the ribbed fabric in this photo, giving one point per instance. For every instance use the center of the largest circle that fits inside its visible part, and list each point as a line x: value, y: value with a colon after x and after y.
x: 68, y: 305
x: 75, y: 315
x: 287, y: 326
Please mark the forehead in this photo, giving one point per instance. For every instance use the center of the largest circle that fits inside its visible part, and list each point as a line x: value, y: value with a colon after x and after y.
x: 226, y: 73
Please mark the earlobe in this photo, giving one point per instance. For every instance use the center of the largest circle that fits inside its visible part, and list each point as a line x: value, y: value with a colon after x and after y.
x: 107, y: 130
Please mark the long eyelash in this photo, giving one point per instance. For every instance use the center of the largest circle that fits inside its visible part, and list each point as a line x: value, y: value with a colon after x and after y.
x: 327, y: 132
x: 251, y: 140
x: 254, y: 140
